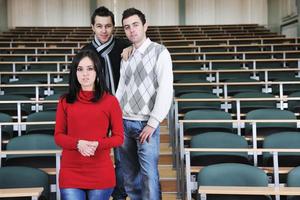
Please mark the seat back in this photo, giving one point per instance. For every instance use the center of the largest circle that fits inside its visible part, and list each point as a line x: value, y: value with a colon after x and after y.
x: 233, y: 174
x: 265, y: 128
x: 293, y: 180
x: 195, y: 128
x: 24, y: 177
x: 282, y: 140
x: 6, y: 130
x: 43, y: 128
x: 51, y: 106
x: 247, y: 106
x: 294, y: 105
x: 188, y: 106
x: 11, y: 108
x: 32, y: 142
x: 218, y: 140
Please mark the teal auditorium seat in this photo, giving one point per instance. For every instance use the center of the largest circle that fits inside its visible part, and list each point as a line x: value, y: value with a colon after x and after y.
x: 196, y: 76
x: 287, y: 88
x: 196, y: 128
x: 6, y: 130
x: 188, y: 106
x: 32, y: 142
x: 234, y: 89
x: 233, y: 174
x: 294, y: 105
x: 51, y: 106
x: 218, y: 140
x: 293, y: 180
x: 38, y: 117
x: 247, y: 106
x: 282, y: 140
x: 265, y: 128
x: 11, y: 108
x: 24, y: 177
x: 179, y: 90
x: 25, y: 91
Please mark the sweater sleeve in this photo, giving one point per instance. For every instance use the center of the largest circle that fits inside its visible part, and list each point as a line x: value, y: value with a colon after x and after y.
x: 165, y: 89
x: 61, y: 137
x: 121, y: 85
x: 117, y: 132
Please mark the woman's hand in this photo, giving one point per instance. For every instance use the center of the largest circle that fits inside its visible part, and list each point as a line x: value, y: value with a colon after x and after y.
x: 87, y: 148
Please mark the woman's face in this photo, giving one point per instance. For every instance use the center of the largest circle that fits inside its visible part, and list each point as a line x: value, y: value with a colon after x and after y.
x: 86, y: 74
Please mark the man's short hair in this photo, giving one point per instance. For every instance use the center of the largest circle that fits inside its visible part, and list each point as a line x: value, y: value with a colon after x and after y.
x: 133, y: 11
x: 102, y: 12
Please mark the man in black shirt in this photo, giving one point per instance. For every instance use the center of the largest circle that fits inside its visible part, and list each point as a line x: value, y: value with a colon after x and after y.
x: 109, y: 49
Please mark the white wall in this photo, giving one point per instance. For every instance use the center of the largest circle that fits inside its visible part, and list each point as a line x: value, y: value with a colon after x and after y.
x: 158, y: 12
x: 48, y: 13
x: 226, y: 11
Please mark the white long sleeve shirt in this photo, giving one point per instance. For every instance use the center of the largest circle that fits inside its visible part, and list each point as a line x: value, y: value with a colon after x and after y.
x: 145, y: 88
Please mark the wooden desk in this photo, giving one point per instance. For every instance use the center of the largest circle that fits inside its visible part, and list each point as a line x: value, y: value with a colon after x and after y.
x: 233, y: 190
x: 34, y: 193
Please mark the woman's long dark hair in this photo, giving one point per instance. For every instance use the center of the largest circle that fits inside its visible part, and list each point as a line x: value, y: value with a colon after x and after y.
x: 74, y: 85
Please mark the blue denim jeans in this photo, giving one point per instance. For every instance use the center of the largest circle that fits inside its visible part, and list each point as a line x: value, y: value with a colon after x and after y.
x: 82, y: 194
x: 119, y: 191
x: 139, y: 162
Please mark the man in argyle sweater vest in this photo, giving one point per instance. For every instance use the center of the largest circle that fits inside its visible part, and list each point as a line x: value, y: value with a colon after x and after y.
x: 145, y: 93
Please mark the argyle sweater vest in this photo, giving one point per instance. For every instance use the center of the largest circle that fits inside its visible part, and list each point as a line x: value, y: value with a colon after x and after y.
x: 139, y: 94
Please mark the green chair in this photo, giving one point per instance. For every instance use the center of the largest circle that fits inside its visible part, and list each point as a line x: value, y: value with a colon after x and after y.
x: 25, y: 91
x: 51, y: 106
x: 24, y: 177
x: 32, y: 142
x: 293, y: 180
x: 196, y: 128
x: 231, y: 76
x: 178, y: 77
x: 265, y: 128
x: 6, y: 130
x: 179, y: 90
x: 287, y: 88
x: 11, y: 108
x: 218, y: 140
x: 247, y: 106
x: 188, y: 106
x: 233, y: 174
x: 273, y: 75
x: 38, y: 117
x: 294, y: 105
x: 234, y: 89
x: 282, y: 140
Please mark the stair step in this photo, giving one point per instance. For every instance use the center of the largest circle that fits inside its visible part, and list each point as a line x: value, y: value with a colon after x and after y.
x: 166, y: 171
x: 168, y: 184
x: 164, y: 138
x: 164, y: 122
x: 165, y: 159
x: 165, y: 148
x: 169, y: 196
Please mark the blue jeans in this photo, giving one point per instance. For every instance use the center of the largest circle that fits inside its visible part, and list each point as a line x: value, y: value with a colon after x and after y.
x: 82, y: 194
x: 140, y: 162
x: 119, y: 191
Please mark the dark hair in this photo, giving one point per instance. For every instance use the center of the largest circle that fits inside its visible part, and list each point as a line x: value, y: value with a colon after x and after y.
x: 103, y: 12
x: 133, y: 11
x: 74, y: 85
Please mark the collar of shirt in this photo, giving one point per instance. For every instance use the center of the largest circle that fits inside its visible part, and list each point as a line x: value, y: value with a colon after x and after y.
x: 143, y: 47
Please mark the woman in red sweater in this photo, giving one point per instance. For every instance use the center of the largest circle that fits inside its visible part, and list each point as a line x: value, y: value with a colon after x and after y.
x: 83, y: 119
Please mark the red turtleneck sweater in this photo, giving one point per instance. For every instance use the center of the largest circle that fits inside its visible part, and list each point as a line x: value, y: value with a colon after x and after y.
x: 88, y: 121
